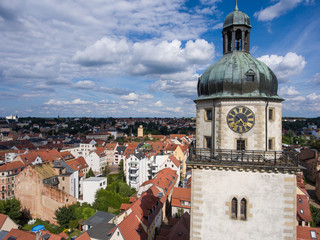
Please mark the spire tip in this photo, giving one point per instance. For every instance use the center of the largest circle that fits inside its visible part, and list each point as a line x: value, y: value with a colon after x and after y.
x: 236, y: 6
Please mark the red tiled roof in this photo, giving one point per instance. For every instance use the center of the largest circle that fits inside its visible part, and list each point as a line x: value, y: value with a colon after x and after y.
x: 131, y: 228
x: 178, y: 136
x: 11, y: 166
x: 20, y: 235
x: 2, y: 219
x: 303, y: 208
x: 125, y: 206
x: 77, y: 163
x: 174, y: 160
x: 111, y: 146
x: 304, y: 233
x: 84, y: 236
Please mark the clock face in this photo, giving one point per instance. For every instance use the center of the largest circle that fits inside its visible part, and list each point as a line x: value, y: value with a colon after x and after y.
x: 240, y: 119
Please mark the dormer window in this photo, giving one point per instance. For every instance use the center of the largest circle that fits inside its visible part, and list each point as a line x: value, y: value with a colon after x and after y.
x: 250, y: 75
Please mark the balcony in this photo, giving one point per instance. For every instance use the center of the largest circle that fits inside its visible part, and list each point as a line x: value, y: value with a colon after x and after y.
x: 272, y: 160
x: 134, y: 167
x: 134, y: 174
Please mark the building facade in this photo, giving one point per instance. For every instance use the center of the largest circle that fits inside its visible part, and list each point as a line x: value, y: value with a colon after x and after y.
x: 243, y: 185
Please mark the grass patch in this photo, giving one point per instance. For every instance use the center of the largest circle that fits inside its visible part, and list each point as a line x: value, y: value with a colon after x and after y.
x: 48, y: 226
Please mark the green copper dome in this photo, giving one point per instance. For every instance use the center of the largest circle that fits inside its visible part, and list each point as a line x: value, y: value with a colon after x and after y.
x: 238, y: 75
x: 236, y: 18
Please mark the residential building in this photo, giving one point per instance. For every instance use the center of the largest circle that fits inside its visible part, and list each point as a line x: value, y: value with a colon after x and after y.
x: 307, y: 233
x: 84, y: 148
x: 119, y: 155
x: 181, y: 199
x: 91, y: 186
x: 304, y: 217
x: 110, y: 150
x: 37, y: 189
x: 8, y: 173
x: 136, y: 169
x: 6, y: 223
x: 97, y: 160
x: 310, y: 160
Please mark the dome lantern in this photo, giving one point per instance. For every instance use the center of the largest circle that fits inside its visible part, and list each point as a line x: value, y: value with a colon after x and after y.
x: 237, y: 74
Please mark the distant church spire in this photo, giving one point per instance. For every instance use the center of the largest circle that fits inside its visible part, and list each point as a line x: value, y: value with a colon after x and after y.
x: 236, y: 7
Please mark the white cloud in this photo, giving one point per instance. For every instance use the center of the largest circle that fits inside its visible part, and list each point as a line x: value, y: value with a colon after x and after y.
x: 86, y: 84
x: 276, y: 10
x: 79, y: 101
x: 172, y: 109
x: 104, y: 51
x: 146, y: 96
x: 285, y: 66
x: 313, y: 97
x: 316, y: 79
x: 130, y: 97
x: 56, y: 102
x: 157, y: 104
x: 288, y: 91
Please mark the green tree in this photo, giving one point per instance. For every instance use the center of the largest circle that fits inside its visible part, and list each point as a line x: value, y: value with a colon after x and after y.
x: 315, y: 213
x: 106, y: 171
x: 11, y: 207
x: 64, y: 215
x: 90, y: 173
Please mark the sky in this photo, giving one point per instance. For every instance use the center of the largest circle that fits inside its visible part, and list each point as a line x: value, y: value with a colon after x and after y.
x: 142, y: 58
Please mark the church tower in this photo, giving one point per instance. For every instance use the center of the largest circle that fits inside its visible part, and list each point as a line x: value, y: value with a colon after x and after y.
x: 243, y: 184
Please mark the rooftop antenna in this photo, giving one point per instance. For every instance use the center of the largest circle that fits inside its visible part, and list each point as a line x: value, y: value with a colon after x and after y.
x: 236, y: 7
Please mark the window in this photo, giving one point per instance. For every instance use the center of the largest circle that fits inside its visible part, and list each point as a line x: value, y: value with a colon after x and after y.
x: 271, y: 114
x: 300, y: 200
x: 301, y: 211
x: 250, y: 78
x: 207, y: 142
x: 62, y: 178
x: 243, y: 209
x: 208, y: 115
x: 241, y: 144
x: 313, y: 234
x: 271, y: 143
x: 250, y: 75
x: 234, y: 208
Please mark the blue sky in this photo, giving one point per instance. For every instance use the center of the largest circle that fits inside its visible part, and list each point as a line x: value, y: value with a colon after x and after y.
x: 142, y: 58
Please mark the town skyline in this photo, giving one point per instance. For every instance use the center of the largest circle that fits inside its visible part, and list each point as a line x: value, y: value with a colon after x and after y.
x: 141, y: 59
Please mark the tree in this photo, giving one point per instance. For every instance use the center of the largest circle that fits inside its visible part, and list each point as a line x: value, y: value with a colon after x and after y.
x: 315, y: 213
x: 11, y: 207
x: 106, y: 171
x: 90, y: 173
x: 64, y: 215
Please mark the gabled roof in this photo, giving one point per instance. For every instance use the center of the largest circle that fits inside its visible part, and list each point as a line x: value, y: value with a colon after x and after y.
x: 77, y: 163
x: 3, y: 218
x: 111, y: 146
x: 131, y: 228
x: 306, y: 233
x: 99, y: 217
x: 175, y: 160
x: 11, y: 166
x: 180, y: 194
x: 303, y: 208
x: 177, y: 136
x: 20, y: 235
x: 84, y: 236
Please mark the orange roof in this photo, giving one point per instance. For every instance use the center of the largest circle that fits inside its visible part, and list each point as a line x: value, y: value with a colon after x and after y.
x: 181, y: 194
x: 11, y: 166
x: 174, y: 160
x: 20, y: 235
x: 77, y: 163
x: 305, y: 233
x: 84, y: 236
x: 2, y: 219
x: 178, y: 136
x: 125, y: 206
x: 303, y: 208
x: 131, y: 228
x: 45, y: 154
x: 111, y: 146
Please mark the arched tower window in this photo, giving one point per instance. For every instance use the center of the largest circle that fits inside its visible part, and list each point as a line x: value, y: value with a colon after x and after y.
x: 234, y: 208
x: 243, y: 209
x: 238, y: 40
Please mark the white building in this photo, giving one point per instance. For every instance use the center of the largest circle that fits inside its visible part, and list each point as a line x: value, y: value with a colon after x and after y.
x: 159, y: 162
x: 91, y: 186
x: 137, y: 170
x: 97, y: 160
x: 83, y: 150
